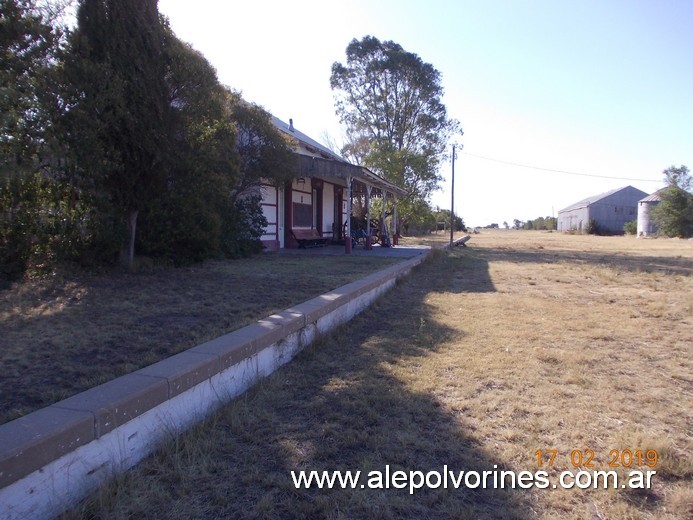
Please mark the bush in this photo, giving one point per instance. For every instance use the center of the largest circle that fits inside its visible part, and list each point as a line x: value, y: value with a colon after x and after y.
x: 631, y: 228
x: 674, y: 214
x: 244, y: 224
x: 187, y: 227
x: 592, y: 227
x: 45, y: 221
x: 444, y: 216
x: 180, y: 227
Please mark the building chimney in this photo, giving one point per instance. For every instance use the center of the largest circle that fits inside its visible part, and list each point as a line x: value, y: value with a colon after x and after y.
x: 291, y: 125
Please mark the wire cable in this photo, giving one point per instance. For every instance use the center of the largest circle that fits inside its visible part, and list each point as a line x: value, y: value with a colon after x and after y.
x: 556, y: 171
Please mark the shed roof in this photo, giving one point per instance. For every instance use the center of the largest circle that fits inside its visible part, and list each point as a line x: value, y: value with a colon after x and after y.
x: 596, y: 198
x: 655, y: 197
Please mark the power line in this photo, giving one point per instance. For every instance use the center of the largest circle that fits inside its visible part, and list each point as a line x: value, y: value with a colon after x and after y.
x: 557, y: 171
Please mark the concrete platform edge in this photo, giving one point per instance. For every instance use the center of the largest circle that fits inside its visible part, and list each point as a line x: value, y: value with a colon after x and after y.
x: 54, y: 457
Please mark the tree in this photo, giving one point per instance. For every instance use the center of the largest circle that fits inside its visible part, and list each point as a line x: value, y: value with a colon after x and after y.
x: 674, y: 213
x: 185, y: 221
x: 390, y: 100
x: 40, y: 216
x: 443, y: 215
x: 265, y: 153
x: 539, y: 223
x: 419, y: 218
x: 118, y: 121
x: 266, y: 156
x: 356, y: 147
x: 224, y: 149
x: 592, y: 227
x: 29, y: 41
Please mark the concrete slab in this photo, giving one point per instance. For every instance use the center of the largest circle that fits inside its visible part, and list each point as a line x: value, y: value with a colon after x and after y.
x: 184, y: 370
x: 118, y: 401
x: 32, y: 441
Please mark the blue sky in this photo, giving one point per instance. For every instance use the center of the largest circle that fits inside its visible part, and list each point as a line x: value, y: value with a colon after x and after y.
x: 602, y: 88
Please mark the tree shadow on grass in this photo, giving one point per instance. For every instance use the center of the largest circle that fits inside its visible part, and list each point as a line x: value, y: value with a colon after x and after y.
x: 345, y: 404
x: 459, y: 271
x: 632, y: 263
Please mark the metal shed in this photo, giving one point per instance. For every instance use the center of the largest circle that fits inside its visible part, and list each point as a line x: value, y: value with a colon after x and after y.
x: 611, y: 210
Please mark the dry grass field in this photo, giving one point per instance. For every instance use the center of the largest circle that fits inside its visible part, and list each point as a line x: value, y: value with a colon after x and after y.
x: 63, y: 334
x: 524, y: 341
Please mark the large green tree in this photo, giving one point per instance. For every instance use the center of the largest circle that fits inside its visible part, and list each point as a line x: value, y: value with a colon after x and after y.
x: 184, y: 221
x: 390, y: 101
x: 674, y: 213
x: 223, y: 149
x: 118, y: 120
x: 29, y: 42
x: 133, y: 131
x: 40, y: 217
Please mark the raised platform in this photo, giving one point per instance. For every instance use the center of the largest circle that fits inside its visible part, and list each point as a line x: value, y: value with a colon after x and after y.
x: 54, y: 457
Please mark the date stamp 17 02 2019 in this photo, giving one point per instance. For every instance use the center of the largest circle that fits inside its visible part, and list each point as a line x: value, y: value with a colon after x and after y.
x: 587, y: 458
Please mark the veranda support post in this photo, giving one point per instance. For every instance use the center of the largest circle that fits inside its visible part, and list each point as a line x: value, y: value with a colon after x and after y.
x: 347, y: 233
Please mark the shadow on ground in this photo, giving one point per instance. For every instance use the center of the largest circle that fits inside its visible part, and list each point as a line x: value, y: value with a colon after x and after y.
x: 343, y: 404
x: 632, y: 263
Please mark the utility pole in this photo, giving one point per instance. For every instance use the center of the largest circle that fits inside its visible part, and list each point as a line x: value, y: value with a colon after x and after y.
x: 452, y: 197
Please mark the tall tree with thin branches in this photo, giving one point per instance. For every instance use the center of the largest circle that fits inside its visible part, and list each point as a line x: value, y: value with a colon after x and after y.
x: 392, y: 100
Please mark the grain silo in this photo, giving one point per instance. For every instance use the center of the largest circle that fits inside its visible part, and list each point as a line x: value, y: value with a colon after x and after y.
x: 646, y: 225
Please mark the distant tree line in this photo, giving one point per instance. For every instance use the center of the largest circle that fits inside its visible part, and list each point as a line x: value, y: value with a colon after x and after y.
x: 116, y: 137
x: 547, y: 223
x: 426, y: 219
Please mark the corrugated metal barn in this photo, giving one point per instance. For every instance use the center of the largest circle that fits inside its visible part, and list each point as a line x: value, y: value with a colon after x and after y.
x: 611, y: 210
